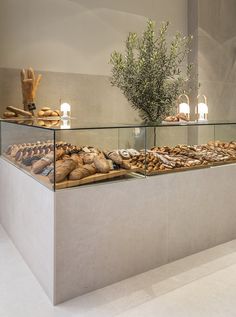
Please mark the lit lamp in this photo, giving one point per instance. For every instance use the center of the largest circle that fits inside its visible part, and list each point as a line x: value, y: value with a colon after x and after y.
x: 202, y: 109
x: 65, y: 124
x: 65, y: 110
x: 184, y: 107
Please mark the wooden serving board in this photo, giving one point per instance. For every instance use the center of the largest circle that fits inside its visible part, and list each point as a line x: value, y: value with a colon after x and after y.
x: 72, y: 183
x: 94, y: 178
x: 183, y: 169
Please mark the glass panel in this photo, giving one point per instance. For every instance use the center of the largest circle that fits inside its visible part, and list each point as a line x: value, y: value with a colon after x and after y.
x: 225, y: 133
x: 177, y: 148
x: 97, y: 155
x: 30, y: 150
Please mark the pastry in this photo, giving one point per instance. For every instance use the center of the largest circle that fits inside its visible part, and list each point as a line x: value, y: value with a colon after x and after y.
x: 124, y: 154
x: 126, y: 165
x: 133, y: 152
x: 114, y: 156
x: 40, y: 113
x: 45, y: 109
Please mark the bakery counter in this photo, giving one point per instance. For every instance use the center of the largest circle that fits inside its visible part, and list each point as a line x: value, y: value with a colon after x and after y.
x: 80, y: 239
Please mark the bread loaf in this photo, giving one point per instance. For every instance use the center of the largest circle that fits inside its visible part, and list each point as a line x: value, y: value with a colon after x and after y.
x: 62, y: 171
x: 101, y: 165
x: 88, y: 158
x: 78, y: 159
x: 39, y: 166
x: 82, y: 172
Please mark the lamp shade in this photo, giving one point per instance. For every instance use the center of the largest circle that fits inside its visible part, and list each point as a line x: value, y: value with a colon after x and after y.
x: 65, y: 109
x: 202, y: 108
x: 184, y: 108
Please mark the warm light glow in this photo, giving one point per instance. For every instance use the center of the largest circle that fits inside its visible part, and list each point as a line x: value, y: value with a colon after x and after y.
x: 184, y: 108
x: 202, y: 111
x: 65, y: 124
x: 202, y: 108
x: 65, y: 109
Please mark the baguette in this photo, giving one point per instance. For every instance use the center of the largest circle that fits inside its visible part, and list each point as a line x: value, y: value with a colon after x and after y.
x: 19, y: 111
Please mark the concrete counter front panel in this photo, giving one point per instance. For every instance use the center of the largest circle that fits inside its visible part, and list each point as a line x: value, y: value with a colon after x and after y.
x: 88, y: 237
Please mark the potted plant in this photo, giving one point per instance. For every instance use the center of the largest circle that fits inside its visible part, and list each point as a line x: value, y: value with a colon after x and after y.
x: 151, y: 73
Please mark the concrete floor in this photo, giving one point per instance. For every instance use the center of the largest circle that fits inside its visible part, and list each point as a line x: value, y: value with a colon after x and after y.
x: 200, y: 285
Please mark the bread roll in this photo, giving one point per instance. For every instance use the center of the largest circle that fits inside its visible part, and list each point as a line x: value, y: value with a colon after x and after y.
x: 9, y: 114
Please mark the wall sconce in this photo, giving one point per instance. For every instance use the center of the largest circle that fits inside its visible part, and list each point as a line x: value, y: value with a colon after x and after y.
x: 202, y: 109
x: 184, y: 107
x: 65, y: 110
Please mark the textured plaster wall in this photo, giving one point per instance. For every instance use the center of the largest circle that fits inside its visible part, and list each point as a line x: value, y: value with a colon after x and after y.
x: 71, y: 41
x: 217, y: 56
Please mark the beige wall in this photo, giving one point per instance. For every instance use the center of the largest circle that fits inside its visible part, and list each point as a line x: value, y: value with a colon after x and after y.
x: 71, y: 41
x: 217, y: 56
x: 76, y: 36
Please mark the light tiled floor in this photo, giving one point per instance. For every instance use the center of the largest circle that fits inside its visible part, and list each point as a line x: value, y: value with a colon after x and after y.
x: 200, y: 285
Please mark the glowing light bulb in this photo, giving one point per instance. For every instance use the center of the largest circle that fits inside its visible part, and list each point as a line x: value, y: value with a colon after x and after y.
x: 184, y: 108
x: 202, y: 111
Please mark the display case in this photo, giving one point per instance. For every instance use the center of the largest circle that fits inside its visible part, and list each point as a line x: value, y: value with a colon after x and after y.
x: 69, y: 154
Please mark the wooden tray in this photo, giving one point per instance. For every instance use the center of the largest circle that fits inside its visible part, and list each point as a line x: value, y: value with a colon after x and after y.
x: 72, y: 183
x: 183, y: 169
x: 94, y: 178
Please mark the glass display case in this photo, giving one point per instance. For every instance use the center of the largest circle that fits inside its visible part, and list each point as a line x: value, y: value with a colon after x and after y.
x: 68, y: 154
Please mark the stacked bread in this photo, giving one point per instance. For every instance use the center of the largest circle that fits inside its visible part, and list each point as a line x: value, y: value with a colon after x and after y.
x: 177, y: 118
x: 72, y: 162
x: 75, y: 163
x: 48, y: 112
x: 184, y: 156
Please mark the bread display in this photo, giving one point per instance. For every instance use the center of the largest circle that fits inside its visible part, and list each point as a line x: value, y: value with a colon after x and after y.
x: 72, y: 163
x: 87, y: 164
x: 184, y: 156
